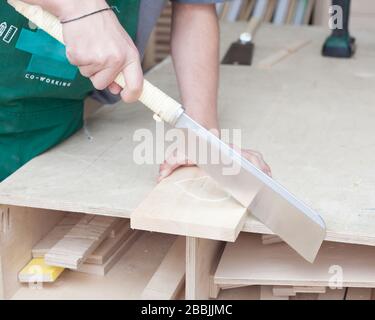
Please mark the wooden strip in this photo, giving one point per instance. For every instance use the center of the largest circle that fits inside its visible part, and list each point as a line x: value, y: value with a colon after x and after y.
x: 283, y: 291
x: 333, y: 294
x: 266, y: 293
x: 247, y: 9
x: 202, y: 257
x: 358, y: 294
x: 336, y: 263
x: 169, y: 279
x: 291, y: 11
x: 102, y: 270
x: 56, y: 234
x: 282, y: 54
x: 204, y: 209
x: 214, y: 288
x: 270, y: 10
x: 310, y: 289
x: 80, y: 242
x: 110, y: 245
x: 99, y: 256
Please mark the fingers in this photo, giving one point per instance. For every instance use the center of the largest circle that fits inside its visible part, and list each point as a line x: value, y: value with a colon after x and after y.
x: 114, y: 88
x: 172, y: 164
x: 133, y: 75
x: 104, y: 78
x: 256, y: 158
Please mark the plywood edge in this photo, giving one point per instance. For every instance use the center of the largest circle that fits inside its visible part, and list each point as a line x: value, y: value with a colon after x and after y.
x: 48, y: 204
x: 187, y: 229
x: 252, y: 225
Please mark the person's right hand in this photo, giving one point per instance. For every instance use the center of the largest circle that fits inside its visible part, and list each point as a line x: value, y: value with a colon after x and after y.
x: 100, y: 47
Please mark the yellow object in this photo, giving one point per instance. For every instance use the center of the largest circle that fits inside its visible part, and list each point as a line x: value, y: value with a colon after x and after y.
x: 37, y: 271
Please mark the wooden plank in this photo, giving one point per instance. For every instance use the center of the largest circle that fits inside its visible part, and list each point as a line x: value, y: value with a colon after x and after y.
x: 202, y: 257
x: 110, y: 245
x: 308, y: 11
x: 336, y: 264
x: 333, y: 294
x: 291, y: 11
x: 99, y: 256
x: 283, y: 291
x: 204, y: 209
x: 125, y: 281
x: 56, y: 234
x: 247, y: 9
x: 169, y: 279
x: 358, y: 294
x: 282, y: 54
x: 103, y: 269
x: 270, y: 10
x: 321, y: 13
x: 266, y: 293
x: 311, y: 289
x: 80, y: 241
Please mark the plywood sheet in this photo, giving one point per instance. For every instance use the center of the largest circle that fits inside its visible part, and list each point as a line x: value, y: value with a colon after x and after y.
x: 248, y: 261
x: 190, y: 203
x: 310, y: 116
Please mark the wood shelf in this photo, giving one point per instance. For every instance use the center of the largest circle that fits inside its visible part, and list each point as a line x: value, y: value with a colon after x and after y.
x: 126, y: 280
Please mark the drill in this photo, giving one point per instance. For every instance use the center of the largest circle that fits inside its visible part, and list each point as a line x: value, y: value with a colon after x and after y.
x: 340, y: 44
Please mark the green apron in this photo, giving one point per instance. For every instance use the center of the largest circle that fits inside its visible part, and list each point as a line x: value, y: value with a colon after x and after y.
x: 41, y: 93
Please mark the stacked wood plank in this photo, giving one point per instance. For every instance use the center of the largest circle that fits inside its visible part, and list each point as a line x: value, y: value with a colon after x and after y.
x: 86, y: 243
x: 341, y: 271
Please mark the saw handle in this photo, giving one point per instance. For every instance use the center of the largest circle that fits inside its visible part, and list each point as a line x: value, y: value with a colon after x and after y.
x: 156, y: 100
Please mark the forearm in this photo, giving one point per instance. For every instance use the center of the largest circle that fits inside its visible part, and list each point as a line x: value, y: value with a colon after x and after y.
x: 195, y: 52
x: 64, y: 9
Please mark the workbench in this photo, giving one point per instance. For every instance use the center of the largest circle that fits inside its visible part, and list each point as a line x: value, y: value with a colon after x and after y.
x: 310, y: 116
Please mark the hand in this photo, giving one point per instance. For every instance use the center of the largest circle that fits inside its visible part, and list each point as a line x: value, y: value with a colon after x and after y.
x: 102, y: 49
x: 176, y: 161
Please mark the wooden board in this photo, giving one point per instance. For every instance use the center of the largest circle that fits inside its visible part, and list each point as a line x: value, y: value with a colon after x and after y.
x: 266, y: 293
x: 56, y: 234
x: 169, y: 278
x: 103, y: 269
x: 80, y: 242
x: 110, y: 245
x: 198, y: 208
x: 295, y: 113
x: 250, y: 262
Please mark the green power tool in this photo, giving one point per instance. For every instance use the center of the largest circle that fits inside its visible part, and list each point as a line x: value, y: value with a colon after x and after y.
x: 340, y: 44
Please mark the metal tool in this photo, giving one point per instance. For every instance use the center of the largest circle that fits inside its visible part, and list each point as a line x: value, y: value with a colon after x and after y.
x: 272, y: 204
x: 340, y: 44
x: 241, y: 52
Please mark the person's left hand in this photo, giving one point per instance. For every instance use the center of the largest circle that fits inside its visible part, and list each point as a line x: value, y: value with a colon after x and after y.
x: 178, y: 160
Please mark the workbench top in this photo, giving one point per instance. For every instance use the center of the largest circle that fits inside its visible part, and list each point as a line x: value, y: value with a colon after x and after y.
x: 311, y: 117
